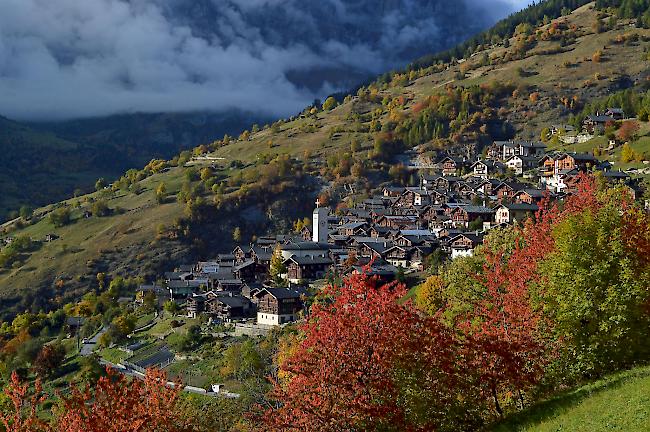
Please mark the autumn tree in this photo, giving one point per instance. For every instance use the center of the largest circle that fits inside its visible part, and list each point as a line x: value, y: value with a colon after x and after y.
x: 596, y: 287
x: 100, y: 183
x: 628, y: 130
x: 597, y: 56
x: 119, y: 404
x: 370, y: 362
x: 329, y: 104
x: 114, y: 404
x: 491, y: 299
x: 236, y: 234
x: 627, y: 153
x: 300, y: 224
x: 101, y: 280
x: 205, y: 173
x: 23, y: 414
x: 49, y: 359
x: 161, y: 193
x: 277, y: 267
x: 100, y: 209
x: 428, y: 294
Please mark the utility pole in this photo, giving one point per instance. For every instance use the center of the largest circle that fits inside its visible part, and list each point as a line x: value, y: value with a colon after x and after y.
x: 78, y: 332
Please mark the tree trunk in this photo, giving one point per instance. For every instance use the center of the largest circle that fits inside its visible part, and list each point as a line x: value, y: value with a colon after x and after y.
x: 496, y: 402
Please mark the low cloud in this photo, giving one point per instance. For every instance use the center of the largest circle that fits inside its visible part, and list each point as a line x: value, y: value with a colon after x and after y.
x: 70, y: 59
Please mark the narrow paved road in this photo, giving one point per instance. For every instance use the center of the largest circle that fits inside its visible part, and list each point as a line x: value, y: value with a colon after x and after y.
x: 89, y: 346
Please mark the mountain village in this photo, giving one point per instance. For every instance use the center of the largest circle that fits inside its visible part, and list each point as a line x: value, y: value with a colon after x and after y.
x: 398, y: 231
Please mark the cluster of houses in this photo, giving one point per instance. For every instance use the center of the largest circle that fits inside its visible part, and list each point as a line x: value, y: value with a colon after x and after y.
x: 395, y: 231
x: 596, y: 124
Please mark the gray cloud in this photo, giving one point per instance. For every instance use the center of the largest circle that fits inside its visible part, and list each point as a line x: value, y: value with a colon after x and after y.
x: 69, y: 58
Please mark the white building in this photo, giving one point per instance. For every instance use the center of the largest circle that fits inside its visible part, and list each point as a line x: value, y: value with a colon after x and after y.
x: 319, y: 224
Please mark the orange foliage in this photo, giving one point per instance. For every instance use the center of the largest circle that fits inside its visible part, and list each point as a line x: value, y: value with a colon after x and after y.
x: 419, y: 106
x: 24, y: 416
x: 115, y: 404
x: 597, y: 57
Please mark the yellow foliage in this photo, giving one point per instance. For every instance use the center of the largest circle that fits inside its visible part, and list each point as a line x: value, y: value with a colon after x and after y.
x: 597, y: 56
x: 428, y: 296
x: 287, y: 346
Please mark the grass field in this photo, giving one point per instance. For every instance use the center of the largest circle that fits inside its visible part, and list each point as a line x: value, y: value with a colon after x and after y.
x: 620, y: 402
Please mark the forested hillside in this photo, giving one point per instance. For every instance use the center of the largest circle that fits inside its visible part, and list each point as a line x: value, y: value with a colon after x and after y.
x: 48, y: 162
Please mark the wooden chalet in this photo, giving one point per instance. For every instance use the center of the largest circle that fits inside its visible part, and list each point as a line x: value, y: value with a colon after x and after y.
x: 397, y: 222
x: 307, y: 268
x: 277, y: 306
x: 463, y: 244
x: 463, y: 216
x: 451, y: 166
x: 487, y: 168
x: 509, y: 213
x: 529, y: 196
x: 250, y: 271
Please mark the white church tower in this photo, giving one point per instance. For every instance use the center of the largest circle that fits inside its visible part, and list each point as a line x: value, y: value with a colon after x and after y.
x: 319, y: 223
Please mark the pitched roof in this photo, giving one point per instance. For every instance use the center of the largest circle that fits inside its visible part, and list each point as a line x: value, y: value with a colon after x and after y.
x: 535, y: 193
x: 305, y: 246
x: 310, y: 260
x: 377, y: 246
x: 477, y: 209
x: 600, y: 118
x: 279, y: 293
x: 582, y: 156
x: 243, y: 265
x: 520, y: 207
x: 616, y: 174
x: 351, y: 225
x: 232, y: 301
x: 474, y: 237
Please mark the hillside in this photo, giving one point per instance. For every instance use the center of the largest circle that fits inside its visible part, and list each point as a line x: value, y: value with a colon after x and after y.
x: 616, y: 403
x: 217, y: 68
x: 251, y: 185
x: 36, y: 169
x: 44, y: 158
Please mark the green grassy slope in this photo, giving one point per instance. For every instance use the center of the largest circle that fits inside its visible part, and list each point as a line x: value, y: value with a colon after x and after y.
x: 620, y: 402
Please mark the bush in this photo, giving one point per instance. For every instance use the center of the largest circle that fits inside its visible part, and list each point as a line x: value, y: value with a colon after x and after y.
x: 60, y: 217
x: 100, y: 209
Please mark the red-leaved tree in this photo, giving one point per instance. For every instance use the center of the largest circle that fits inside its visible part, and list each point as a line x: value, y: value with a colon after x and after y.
x: 115, y: 404
x: 628, y: 130
x: 24, y: 415
x: 369, y: 361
